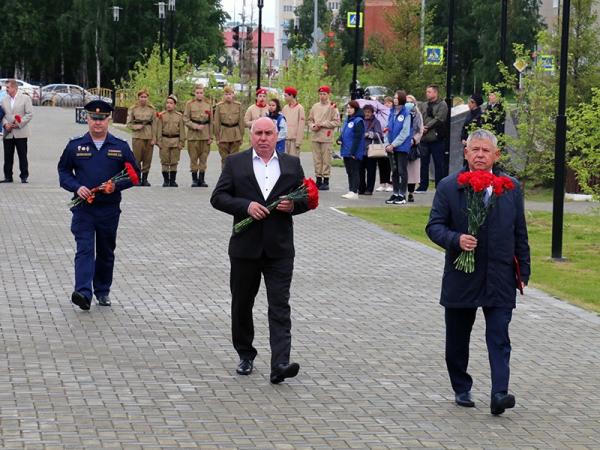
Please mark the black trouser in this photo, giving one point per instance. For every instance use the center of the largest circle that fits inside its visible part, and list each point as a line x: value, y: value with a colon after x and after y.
x: 9, y: 157
x: 368, y: 166
x: 399, y: 163
x: 430, y: 150
x: 245, y: 282
x: 459, y: 322
x: 352, y: 169
x: 384, y: 170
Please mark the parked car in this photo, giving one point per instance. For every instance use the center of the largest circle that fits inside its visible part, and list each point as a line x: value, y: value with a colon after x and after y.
x: 68, y: 95
x: 209, y: 79
x: 28, y: 89
x: 376, y: 93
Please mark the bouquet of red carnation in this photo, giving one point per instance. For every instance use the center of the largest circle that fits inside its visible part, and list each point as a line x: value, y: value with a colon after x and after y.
x: 307, y: 190
x: 127, y: 174
x: 17, y: 118
x: 476, y: 184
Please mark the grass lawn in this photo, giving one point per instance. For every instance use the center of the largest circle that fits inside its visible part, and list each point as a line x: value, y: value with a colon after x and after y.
x: 576, y: 280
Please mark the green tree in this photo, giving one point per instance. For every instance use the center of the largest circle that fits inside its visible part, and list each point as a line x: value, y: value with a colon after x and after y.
x: 477, y: 36
x: 306, y: 73
x: 398, y: 62
x: 583, y: 140
x: 584, y: 41
x: 69, y: 40
x: 345, y: 35
x: 149, y: 73
x: 302, y: 35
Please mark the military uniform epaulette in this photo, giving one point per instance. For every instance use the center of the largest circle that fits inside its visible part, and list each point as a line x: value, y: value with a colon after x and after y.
x: 118, y: 138
x: 74, y: 138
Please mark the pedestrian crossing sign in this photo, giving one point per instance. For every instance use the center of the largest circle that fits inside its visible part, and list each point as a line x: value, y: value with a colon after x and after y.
x: 351, y: 20
x: 547, y: 62
x: 434, y: 55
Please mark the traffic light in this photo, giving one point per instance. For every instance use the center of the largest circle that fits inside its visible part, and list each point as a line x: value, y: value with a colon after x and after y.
x: 236, y: 37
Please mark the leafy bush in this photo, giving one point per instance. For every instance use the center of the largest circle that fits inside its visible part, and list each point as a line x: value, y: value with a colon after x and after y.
x: 583, y: 140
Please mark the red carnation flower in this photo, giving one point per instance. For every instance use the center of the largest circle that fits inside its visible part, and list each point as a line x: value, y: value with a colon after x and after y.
x: 312, y: 193
x: 207, y: 112
x: 132, y: 174
x: 17, y: 118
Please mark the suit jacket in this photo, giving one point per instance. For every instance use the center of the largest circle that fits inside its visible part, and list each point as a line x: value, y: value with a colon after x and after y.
x: 23, y: 108
x: 237, y: 187
x: 502, y: 237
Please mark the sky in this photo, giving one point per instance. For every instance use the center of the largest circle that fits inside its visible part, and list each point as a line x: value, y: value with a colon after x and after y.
x: 232, y: 6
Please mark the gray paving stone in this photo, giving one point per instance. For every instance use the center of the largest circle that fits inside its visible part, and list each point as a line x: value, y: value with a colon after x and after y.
x: 156, y: 370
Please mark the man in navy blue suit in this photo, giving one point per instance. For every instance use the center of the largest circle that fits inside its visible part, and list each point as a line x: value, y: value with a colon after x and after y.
x: 89, y: 161
x: 501, y: 240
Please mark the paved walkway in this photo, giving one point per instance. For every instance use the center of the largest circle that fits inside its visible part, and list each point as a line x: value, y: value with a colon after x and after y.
x: 157, y: 369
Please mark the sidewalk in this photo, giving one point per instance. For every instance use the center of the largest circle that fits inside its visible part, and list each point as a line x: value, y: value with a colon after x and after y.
x: 157, y: 369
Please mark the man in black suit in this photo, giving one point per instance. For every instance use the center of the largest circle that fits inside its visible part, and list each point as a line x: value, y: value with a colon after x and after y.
x: 249, y: 182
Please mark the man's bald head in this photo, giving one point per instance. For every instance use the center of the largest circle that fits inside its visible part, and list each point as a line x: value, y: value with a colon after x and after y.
x: 263, y: 136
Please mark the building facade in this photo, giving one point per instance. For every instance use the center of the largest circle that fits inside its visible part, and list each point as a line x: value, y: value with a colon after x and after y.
x: 286, y: 13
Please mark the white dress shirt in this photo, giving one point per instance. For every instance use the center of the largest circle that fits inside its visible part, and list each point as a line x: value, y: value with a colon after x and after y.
x: 266, y: 174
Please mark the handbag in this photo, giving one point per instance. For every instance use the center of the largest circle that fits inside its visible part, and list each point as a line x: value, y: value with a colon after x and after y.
x: 377, y: 150
x: 414, y: 153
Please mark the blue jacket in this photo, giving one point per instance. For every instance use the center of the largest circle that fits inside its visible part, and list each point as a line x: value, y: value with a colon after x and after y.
x: 353, y: 136
x: 399, y: 130
x: 1, y: 113
x: 502, y: 237
x: 81, y: 164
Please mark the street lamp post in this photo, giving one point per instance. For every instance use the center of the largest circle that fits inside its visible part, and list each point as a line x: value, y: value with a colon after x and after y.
x: 449, y: 63
x: 353, y: 85
x: 561, y: 137
x: 171, y: 7
x: 261, y: 3
x: 161, y: 19
x: 115, y: 15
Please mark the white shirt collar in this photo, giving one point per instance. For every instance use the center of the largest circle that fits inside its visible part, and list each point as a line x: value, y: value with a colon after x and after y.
x: 255, y: 156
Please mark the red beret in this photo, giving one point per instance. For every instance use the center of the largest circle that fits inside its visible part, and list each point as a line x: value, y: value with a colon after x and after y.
x: 261, y: 91
x: 291, y: 91
x: 325, y: 89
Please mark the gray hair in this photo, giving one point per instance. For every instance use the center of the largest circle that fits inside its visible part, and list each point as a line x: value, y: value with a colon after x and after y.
x: 483, y: 134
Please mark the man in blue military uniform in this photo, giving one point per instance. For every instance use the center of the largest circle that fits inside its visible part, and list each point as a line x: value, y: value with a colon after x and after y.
x: 89, y: 161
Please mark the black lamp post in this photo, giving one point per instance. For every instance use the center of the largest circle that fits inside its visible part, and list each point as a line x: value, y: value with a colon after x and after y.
x: 449, y: 63
x: 115, y: 15
x: 171, y: 6
x: 353, y: 85
x: 261, y: 3
x: 161, y: 19
x: 561, y: 138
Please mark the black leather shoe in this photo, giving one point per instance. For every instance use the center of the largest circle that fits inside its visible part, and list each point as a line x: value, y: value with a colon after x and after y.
x: 501, y: 402
x: 81, y: 300
x: 283, y: 371
x: 464, y: 399
x: 24, y: 180
x: 245, y: 367
x: 104, y: 300
x: 6, y: 180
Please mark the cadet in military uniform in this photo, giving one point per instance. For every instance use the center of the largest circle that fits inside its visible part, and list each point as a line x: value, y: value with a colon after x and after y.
x: 294, y: 116
x: 89, y: 161
x: 171, y: 139
x: 228, y: 125
x: 197, y: 118
x: 142, y: 120
x: 258, y: 110
x: 323, y: 119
